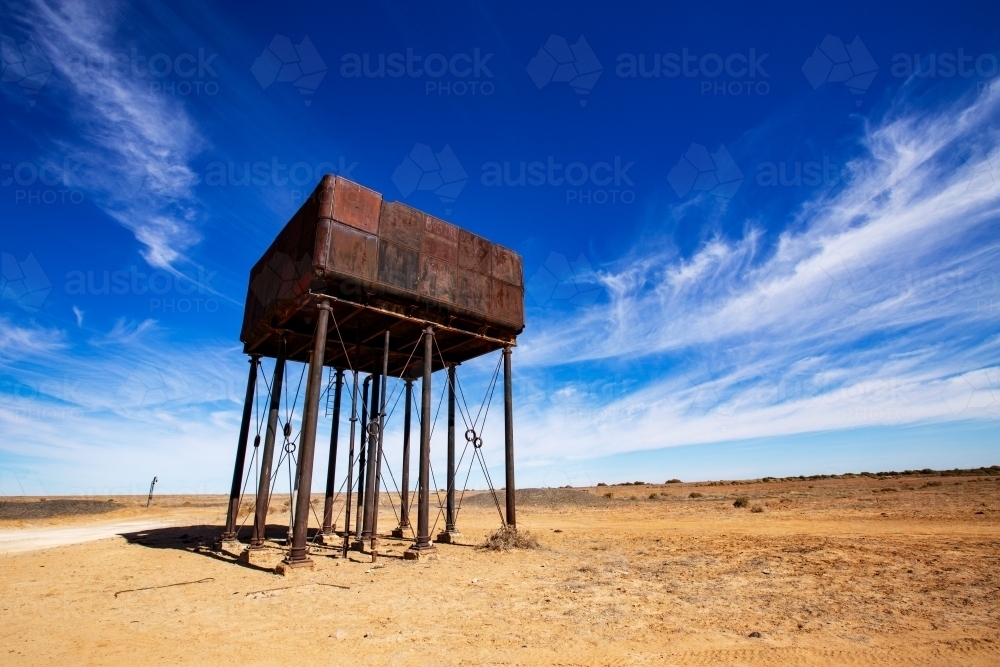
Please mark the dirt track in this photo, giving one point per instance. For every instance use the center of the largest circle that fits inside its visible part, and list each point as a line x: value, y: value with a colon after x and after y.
x: 830, y: 572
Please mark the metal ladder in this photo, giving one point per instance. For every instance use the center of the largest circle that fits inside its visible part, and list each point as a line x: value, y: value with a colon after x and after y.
x: 331, y: 387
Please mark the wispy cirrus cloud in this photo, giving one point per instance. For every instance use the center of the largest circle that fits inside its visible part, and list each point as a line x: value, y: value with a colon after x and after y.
x: 134, y: 146
x: 880, y: 304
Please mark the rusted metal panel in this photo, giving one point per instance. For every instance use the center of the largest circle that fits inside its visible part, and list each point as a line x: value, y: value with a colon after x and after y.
x: 474, y: 252
x: 439, y: 239
x: 324, y: 196
x: 507, y: 266
x: 356, y: 206
x: 473, y: 291
x: 397, y: 265
x: 386, y: 265
x: 401, y: 224
x: 352, y: 252
x: 507, y: 303
x: 437, y: 279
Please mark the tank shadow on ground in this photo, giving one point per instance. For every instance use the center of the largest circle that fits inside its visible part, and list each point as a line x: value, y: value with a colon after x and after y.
x: 199, y: 539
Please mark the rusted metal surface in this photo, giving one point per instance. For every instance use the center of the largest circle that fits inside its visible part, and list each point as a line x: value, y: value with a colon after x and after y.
x: 346, y: 242
x: 508, y: 433
x: 241, y: 453
x: 449, y: 518
x: 331, y: 469
x: 404, y: 498
x: 350, y: 464
x: 299, y: 552
x: 267, y: 456
x: 423, y: 541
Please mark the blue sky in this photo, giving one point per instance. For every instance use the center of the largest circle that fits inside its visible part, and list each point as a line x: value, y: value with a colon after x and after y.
x: 756, y: 241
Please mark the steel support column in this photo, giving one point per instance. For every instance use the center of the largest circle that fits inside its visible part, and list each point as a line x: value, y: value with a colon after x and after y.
x: 362, y: 460
x: 350, y: 464
x: 331, y: 469
x: 404, y: 509
x: 423, y: 542
x: 449, y: 532
x: 366, y: 532
x: 299, y: 554
x: 378, y: 451
x: 241, y: 453
x: 267, y: 456
x: 508, y: 433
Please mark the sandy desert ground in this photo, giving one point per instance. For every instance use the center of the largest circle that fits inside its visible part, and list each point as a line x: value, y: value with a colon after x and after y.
x: 851, y: 571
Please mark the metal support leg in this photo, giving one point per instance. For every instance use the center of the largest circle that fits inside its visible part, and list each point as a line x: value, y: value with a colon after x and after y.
x: 423, y: 544
x: 350, y: 465
x: 378, y: 455
x: 508, y: 432
x: 361, y: 463
x: 331, y: 469
x: 450, y: 534
x: 366, y: 532
x: 299, y: 554
x: 267, y: 457
x: 229, y: 533
x: 404, y: 509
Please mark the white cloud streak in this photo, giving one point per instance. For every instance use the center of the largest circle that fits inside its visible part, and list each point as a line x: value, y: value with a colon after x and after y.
x: 134, y: 146
x: 881, y: 308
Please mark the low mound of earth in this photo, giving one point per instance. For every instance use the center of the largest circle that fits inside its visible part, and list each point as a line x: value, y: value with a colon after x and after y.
x: 27, y: 510
x: 538, y: 498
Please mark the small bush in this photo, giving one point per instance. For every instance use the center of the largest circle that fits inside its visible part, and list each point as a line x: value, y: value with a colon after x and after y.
x: 601, y: 484
x: 742, y: 501
x: 609, y: 495
x: 756, y: 509
x: 695, y: 494
x: 654, y: 496
x: 932, y: 484
x: 673, y: 481
x: 507, y: 538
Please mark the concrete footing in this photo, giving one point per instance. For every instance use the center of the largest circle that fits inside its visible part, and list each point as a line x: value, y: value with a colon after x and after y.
x: 397, y: 533
x: 231, y: 547
x: 448, y: 537
x: 330, y: 539
x: 358, y: 545
x: 286, y: 568
x: 428, y: 553
x: 258, y: 557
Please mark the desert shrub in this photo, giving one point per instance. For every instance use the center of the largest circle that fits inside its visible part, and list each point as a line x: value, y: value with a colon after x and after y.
x: 786, y: 500
x: 673, y: 481
x: 601, y: 484
x: 932, y: 484
x: 654, y: 496
x: 508, y: 537
x: 756, y: 509
x: 695, y: 494
x: 633, y: 497
x: 742, y: 501
x: 609, y: 495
